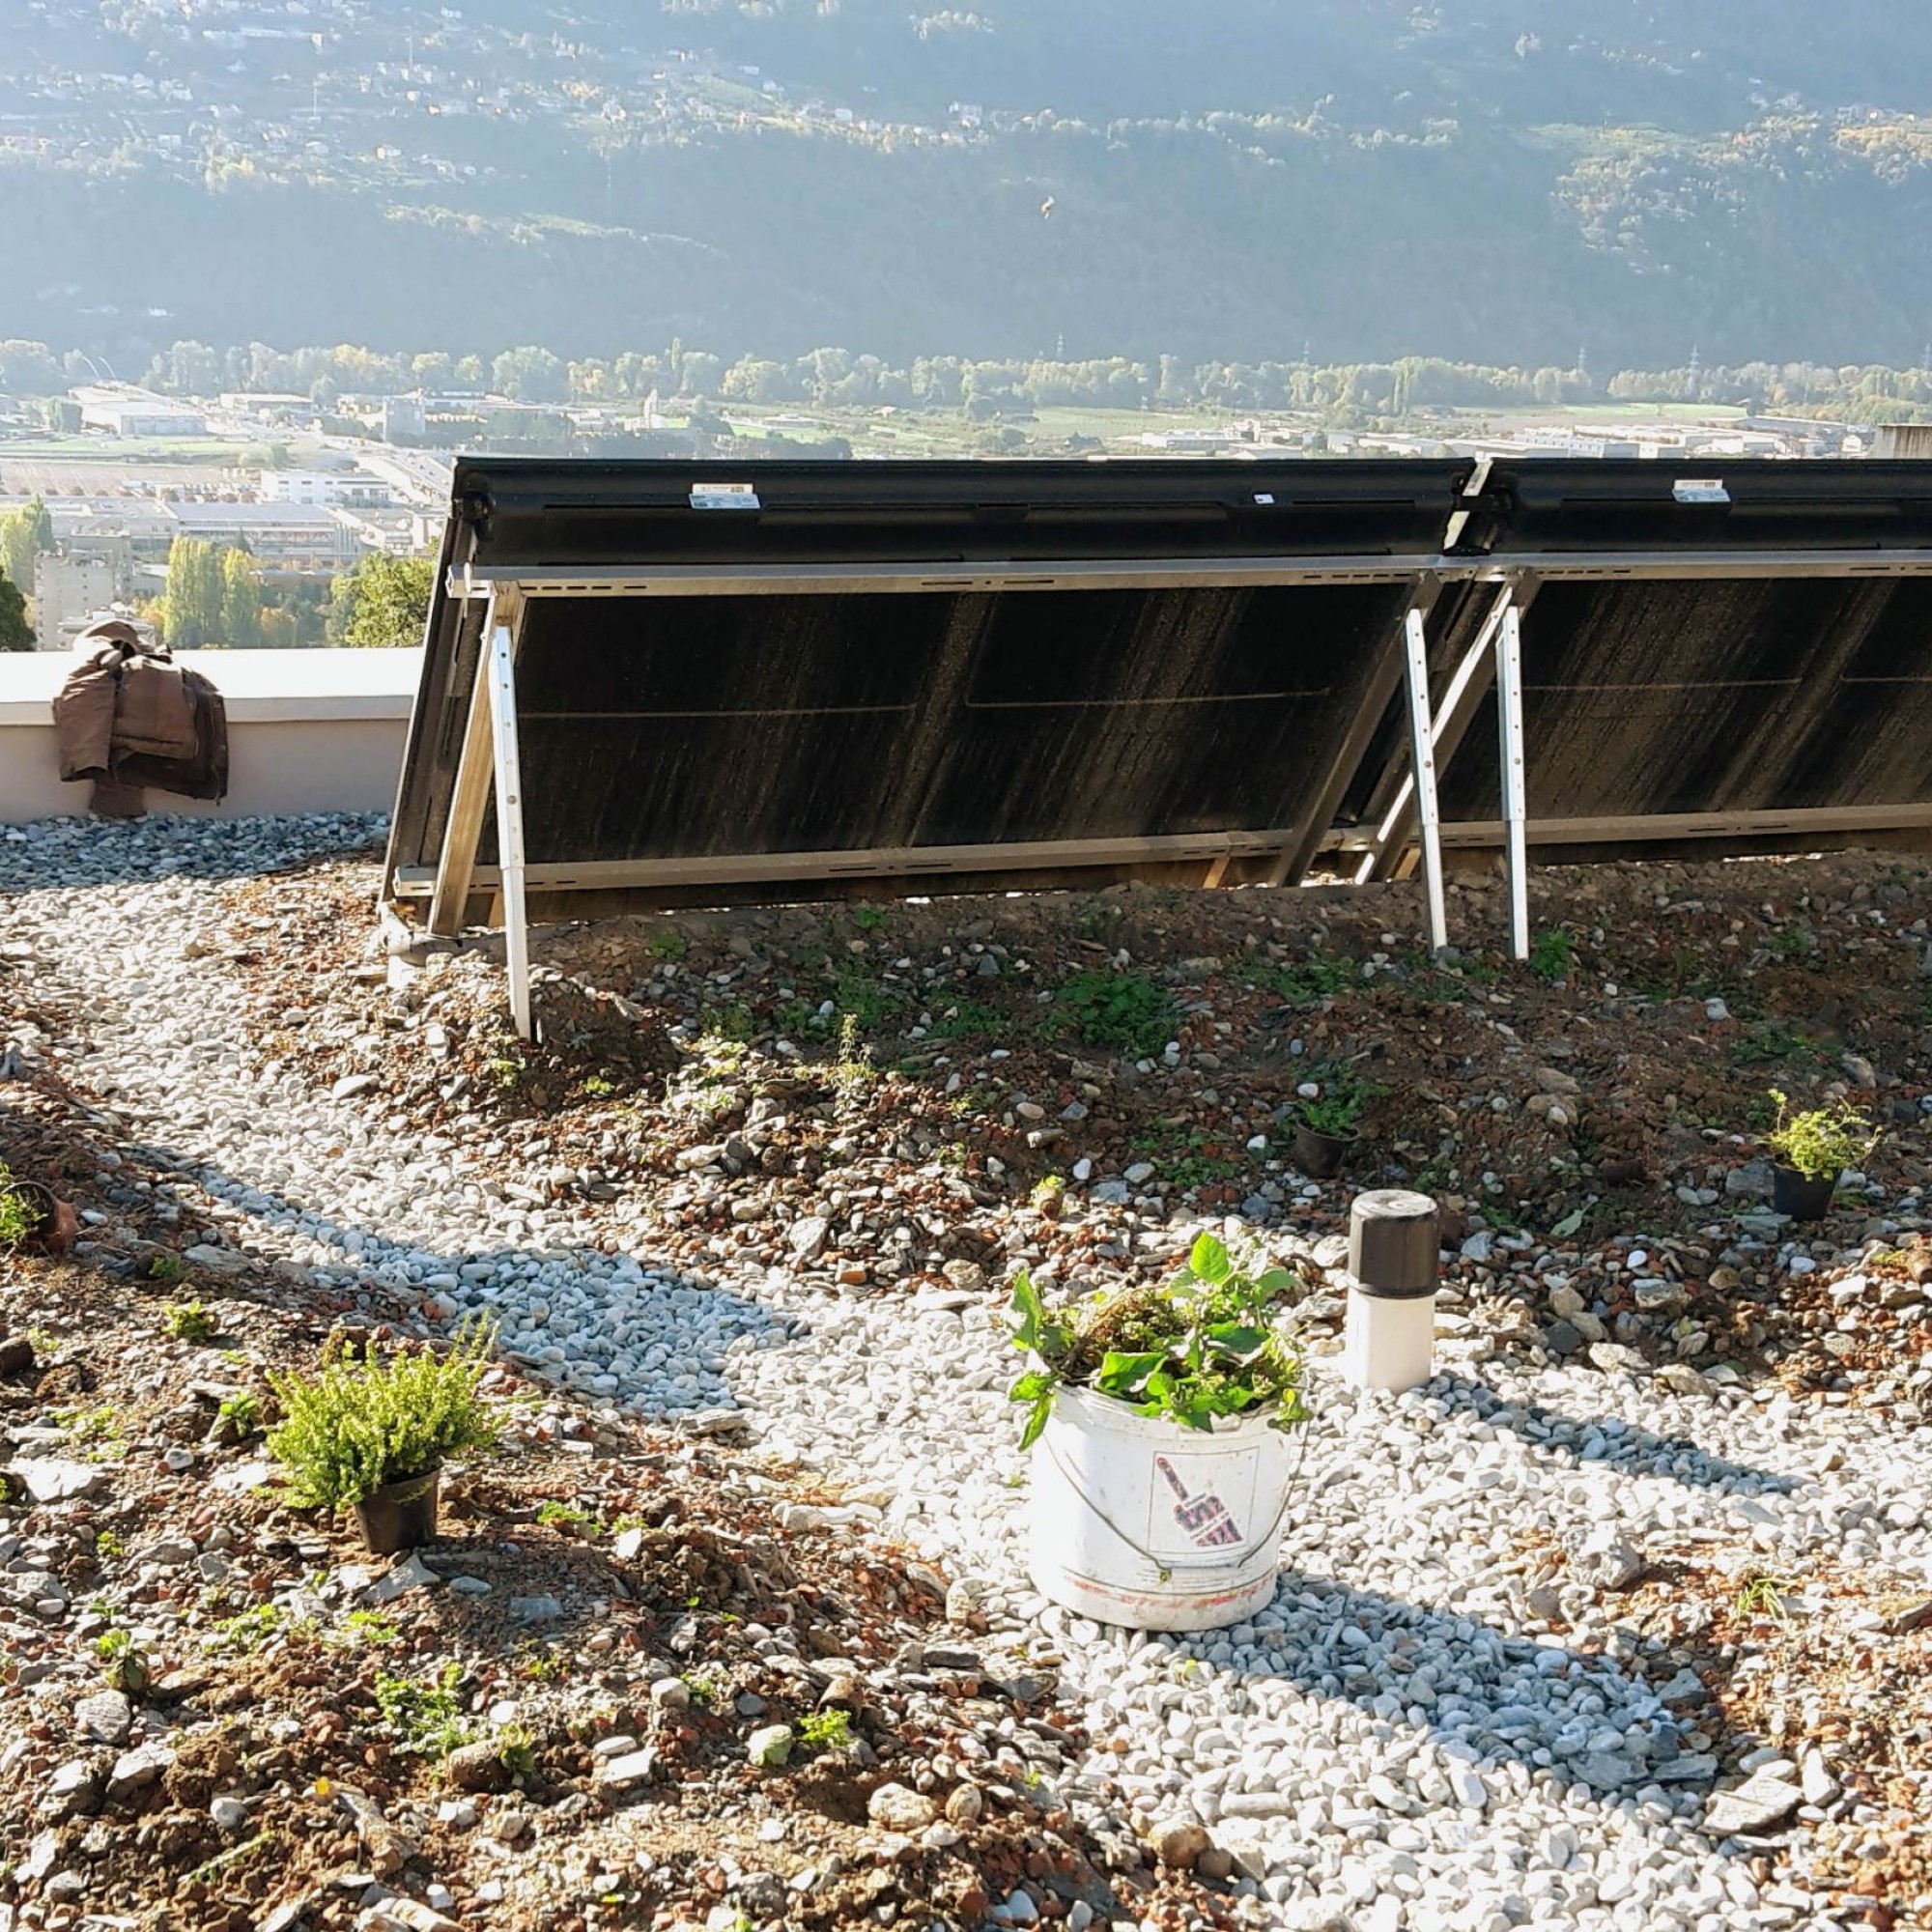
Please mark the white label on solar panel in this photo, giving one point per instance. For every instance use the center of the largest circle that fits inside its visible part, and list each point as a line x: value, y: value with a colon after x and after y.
x: 724, y: 497
x: 1265, y: 498
x: 1701, y: 490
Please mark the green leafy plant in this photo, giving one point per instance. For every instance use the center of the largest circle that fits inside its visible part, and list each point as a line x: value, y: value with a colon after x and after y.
x: 123, y: 1663
x: 1553, y: 954
x: 1337, y: 1110
x: 705, y: 1690
x: 869, y: 918
x: 1106, y: 1007
x: 106, y: 1543
x: 1310, y: 981
x: 566, y: 1516
x: 165, y: 1266
x: 373, y: 1628
x: 424, y: 1713
x: 517, y: 1751
x: 824, y: 1730
x: 598, y: 1087
x: 1201, y: 1347
x: 89, y: 1425
x: 1820, y: 1142
x: 669, y: 944
x: 1048, y: 1193
x: 365, y: 1423
x: 248, y: 1632
x: 17, y: 1212
x: 240, y: 1414
x: 189, y: 1321
x: 852, y: 1071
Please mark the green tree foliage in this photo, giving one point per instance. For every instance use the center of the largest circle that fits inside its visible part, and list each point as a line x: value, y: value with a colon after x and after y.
x: 241, y: 601
x: 23, y: 537
x: 382, y: 602
x: 192, y: 606
x: 15, y: 635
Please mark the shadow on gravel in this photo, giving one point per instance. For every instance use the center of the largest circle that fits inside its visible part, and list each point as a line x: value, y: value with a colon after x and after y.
x: 689, y: 1319
x: 64, y: 853
x: 1498, y: 1699
x: 1612, y: 1440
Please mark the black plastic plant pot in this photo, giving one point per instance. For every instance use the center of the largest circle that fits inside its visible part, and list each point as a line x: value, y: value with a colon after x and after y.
x: 1320, y: 1156
x: 401, y: 1516
x: 1800, y: 1196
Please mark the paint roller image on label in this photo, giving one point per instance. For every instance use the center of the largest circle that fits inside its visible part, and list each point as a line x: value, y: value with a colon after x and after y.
x: 1203, y: 1520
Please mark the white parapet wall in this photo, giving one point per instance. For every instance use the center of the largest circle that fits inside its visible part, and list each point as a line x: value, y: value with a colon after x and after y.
x: 307, y: 731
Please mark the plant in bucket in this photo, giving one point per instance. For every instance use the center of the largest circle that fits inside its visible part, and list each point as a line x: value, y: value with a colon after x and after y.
x: 1158, y: 1418
x: 1811, y: 1151
x: 372, y: 1434
x: 1327, y: 1127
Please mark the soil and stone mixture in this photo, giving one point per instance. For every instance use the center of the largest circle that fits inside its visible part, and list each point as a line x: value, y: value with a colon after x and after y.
x: 722, y: 1637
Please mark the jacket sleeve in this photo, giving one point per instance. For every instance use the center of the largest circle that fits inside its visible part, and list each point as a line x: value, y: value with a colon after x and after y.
x: 84, y: 718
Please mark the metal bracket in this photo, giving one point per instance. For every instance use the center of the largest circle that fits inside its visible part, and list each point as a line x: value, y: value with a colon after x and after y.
x: 1422, y: 753
x: 1516, y: 791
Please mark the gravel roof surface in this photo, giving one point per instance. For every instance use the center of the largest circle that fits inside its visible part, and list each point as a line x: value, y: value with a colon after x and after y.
x: 1624, y: 1621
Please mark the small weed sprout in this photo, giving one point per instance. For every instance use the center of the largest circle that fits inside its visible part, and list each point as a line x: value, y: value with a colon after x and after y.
x: 566, y: 1516
x: 165, y: 1266
x: 372, y: 1628
x: 1761, y: 1596
x: 852, y: 1071
x: 241, y: 1414
x: 189, y: 1321
x: 824, y: 1730
x: 869, y: 918
x: 1822, y: 1142
x: 1048, y: 1193
x: 425, y: 1716
x: 89, y: 1425
x: 599, y: 1086
x: 247, y: 1632
x: 124, y: 1664
x: 516, y: 1751
x: 1106, y: 1008
x: 670, y: 944
x: 705, y: 1691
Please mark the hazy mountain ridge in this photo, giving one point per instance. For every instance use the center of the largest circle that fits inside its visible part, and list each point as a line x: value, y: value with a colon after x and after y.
x: 1368, y: 180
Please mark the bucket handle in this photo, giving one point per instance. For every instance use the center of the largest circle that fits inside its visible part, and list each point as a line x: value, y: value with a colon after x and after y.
x: 1164, y: 1572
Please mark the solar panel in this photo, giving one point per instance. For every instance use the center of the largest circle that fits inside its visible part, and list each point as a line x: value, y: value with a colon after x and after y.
x: 691, y: 682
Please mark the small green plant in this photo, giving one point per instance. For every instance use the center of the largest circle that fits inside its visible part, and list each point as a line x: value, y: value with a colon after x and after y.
x: 1793, y: 942
x: 1337, y: 1110
x: 1308, y: 982
x: 1553, y: 954
x: 852, y: 1071
x: 240, y: 1414
x: 189, y: 1321
x: 669, y: 944
x: 824, y: 1730
x: 1760, y: 1596
x: 165, y: 1266
x: 869, y: 918
x: 1820, y: 1142
x: 1199, y: 1348
x: 599, y: 1086
x: 566, y: 1516
x: 248, y: 1632
x: 516, y: 1751
x: 503, y: 1073
x: 424, y: 1715
x: 967, y: 1020
x: 89, y: 1425
x: 17, y: 1212
x: 106, y: 1543
x: 1048, y: 1193
x: 373, y: 1628
x: 705, y: 1690
x: 540, y: 1664
x: 124, y: 1664
x: 1106, y: 1008
x: 731, y: 1021
x: 365, y: 1423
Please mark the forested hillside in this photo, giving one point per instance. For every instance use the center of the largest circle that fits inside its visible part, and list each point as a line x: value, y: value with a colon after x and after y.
x: 1506, y: 183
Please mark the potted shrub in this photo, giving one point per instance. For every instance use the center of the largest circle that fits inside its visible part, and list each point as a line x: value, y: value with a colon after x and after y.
x: 372, y: 1434
x: 1810, y: 1149
x: 1158, y: 1417
x: 1327, y: 1127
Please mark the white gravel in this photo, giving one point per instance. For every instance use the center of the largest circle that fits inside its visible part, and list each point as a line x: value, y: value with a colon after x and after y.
x: 1383, y: 1749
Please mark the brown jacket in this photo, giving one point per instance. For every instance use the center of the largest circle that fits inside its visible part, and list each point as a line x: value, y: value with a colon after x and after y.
x: 130, y: 715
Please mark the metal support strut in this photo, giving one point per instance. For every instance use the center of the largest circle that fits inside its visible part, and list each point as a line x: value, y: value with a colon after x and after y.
x: 1422, y: 757
x: 1516, y: 789
x: 509, y: 774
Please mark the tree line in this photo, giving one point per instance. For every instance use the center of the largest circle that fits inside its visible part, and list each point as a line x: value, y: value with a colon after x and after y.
x: 835, y: 378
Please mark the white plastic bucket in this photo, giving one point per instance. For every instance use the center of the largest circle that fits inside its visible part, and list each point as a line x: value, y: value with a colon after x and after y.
x: 1138, y: 1521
